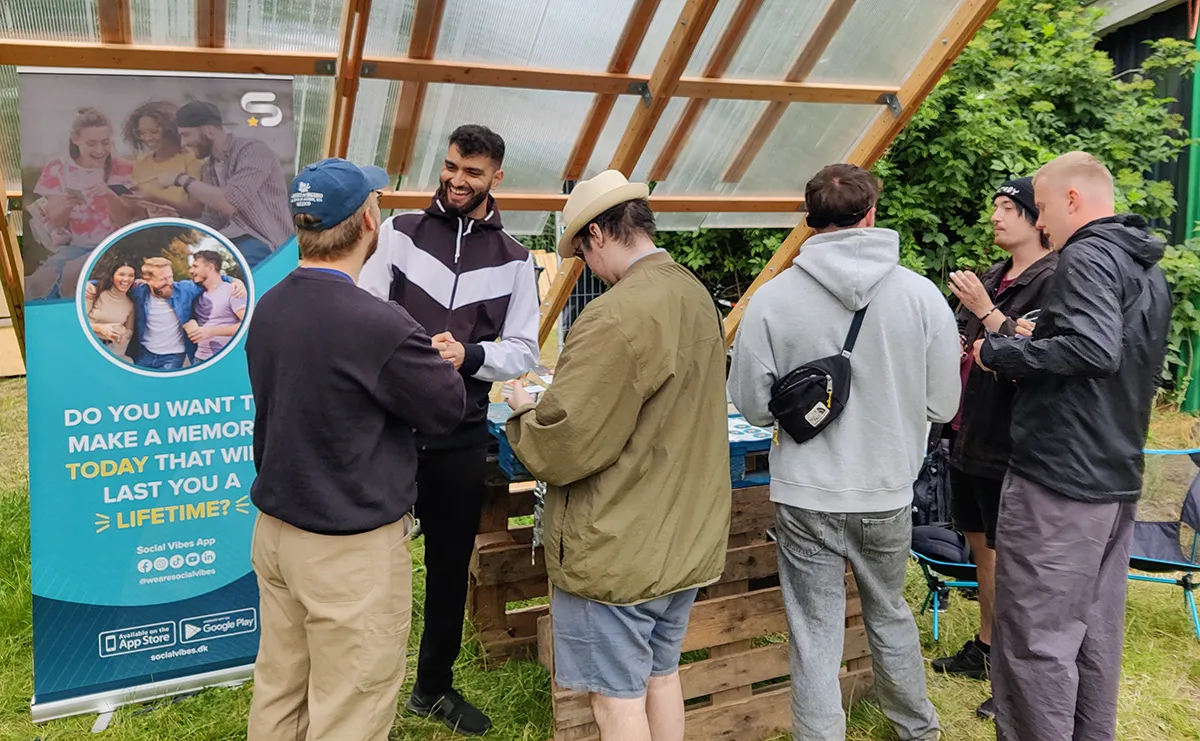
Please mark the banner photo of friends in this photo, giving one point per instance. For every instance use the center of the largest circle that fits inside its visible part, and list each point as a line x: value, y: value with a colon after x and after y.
x: 155, y: 211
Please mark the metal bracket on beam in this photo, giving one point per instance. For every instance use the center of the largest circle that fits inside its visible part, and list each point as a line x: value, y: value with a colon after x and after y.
x: 368, y: 69
x: 325, y: 67
x: 892, y: 102
x: 642, y: 89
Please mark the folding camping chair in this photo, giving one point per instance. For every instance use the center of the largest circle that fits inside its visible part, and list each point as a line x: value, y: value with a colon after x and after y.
x: 941, y: 552
x: 1157, y: 549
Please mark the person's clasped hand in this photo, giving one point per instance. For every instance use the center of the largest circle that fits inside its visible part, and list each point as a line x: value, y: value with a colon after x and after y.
x: 452, y: 351
x: 967, y: 287
x: 200, y: 334
x: 976, y: 350
x: 518, y: 396
x: 1025, y: 327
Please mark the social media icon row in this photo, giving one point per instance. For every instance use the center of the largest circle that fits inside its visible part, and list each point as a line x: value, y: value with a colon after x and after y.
x: 177, y: 561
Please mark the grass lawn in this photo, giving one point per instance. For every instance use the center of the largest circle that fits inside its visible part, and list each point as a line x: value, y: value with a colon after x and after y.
x: 1160, y: 695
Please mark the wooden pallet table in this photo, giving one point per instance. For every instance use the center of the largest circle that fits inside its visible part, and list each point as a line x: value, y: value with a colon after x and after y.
x: 735, y: 675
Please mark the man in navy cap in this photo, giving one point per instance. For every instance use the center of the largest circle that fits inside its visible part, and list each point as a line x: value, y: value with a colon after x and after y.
x: 335, y: 416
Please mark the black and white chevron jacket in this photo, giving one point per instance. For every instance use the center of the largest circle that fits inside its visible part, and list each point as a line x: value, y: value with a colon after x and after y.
x: 470, y: 278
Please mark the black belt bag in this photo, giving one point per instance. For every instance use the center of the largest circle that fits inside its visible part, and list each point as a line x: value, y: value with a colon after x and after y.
x: 806, y: 400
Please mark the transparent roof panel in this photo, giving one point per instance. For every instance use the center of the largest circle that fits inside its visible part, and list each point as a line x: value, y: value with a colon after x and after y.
x: 752, y: 221
x: 164, y: 23
x: 776, y: 38
x: 310, y: 106
x: 374, y: 114
x: 687, y: 222
x: 50, y: 20
x: 810, y: 136
x: 10, y: 130
x: 284, y: 25
x: 618, y: 120
x: 533, y: 33
x: 882, y: 41
x: 389, y: 28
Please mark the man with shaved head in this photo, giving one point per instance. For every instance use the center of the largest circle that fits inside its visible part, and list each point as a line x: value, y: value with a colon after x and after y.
x: 1085, y: 383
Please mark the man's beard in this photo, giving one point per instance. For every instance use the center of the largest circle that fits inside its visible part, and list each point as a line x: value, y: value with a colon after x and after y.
x: 373, y: 246
x: 165, y: 291
x: 204, y: 147
x: 471, y: 205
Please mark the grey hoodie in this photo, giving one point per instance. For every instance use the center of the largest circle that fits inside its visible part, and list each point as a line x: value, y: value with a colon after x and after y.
x: 905, y: 370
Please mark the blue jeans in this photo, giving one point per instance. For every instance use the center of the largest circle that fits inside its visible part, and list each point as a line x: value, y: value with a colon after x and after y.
x: 253, y: 249
x: 814, y: 548
x: 172, y: 361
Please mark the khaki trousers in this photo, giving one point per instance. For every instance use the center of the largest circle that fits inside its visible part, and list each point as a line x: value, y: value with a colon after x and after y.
x: 335, y: 614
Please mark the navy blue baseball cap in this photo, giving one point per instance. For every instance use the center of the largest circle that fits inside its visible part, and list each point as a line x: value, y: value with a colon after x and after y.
x: 332, y: 190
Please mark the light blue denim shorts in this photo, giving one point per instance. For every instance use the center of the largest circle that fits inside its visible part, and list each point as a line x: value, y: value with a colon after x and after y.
x: 614, y: 650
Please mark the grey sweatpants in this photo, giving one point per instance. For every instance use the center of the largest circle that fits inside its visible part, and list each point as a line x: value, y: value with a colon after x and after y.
x: 1061, y: 568
x: 813, y: 550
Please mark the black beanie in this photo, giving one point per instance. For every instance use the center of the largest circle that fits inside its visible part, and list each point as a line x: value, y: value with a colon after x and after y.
x: 1021, y: 193
x: 198, y: 113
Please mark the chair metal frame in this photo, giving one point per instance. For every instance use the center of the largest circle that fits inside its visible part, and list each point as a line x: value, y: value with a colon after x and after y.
x: 1187, y: 581
x: 935, y: 583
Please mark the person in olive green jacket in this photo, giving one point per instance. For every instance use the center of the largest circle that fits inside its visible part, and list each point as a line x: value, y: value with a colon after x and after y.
x: 632, y: 441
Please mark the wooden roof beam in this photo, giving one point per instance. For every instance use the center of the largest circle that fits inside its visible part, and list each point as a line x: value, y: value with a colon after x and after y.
x: 355, y: 16
x: 722, y: 56
x: 831, y: 22
x: 663, y: 82
x: 406, y: 199
x: 634, y: 33
x: 961, y: 28
x: 116, y: 21
x: 211, y: 17
x: 422, y: 42
x: 12, y: 275
x: 223, y: 60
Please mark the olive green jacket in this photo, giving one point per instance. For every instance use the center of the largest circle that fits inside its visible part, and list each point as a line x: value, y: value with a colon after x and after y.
x: 633, y: 443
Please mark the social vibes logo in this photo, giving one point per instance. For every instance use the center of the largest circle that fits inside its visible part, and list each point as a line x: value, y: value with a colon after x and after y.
x: 262, y: 109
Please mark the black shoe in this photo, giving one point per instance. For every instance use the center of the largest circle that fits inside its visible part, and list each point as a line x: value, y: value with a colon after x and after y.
x: 450, y: 708
x: 971, y: 661
x: 987, y: 710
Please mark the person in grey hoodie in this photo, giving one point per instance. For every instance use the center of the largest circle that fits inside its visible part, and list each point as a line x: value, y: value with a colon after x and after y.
x: 845, y: 495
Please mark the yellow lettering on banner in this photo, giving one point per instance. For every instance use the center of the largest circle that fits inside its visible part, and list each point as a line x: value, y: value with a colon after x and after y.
x: 175, y: 513
x: 106, y: 468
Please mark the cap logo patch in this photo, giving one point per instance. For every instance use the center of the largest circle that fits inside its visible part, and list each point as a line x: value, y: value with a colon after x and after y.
x: 303, y: 197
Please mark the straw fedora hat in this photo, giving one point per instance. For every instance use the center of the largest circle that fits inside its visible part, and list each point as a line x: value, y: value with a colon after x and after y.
x: 593, y: 197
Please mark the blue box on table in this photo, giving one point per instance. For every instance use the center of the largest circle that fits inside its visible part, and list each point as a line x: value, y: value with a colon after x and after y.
x: 744, y: 440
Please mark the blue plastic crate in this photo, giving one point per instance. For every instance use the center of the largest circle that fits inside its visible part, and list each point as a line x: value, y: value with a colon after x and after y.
x: 744, y: 439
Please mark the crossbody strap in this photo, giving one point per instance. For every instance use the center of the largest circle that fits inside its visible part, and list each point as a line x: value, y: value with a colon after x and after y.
x: 852, y: 335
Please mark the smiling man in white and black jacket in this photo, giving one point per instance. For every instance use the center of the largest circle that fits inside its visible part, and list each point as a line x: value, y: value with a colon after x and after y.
x: 469, y: 284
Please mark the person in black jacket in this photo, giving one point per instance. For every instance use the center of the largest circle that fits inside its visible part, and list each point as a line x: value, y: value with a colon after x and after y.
x: 471, y: 286
x: 1009, y: 292
x: 1086, y: 380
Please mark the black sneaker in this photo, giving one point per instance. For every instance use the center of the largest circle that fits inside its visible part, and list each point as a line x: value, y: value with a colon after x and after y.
x: 987, y: 710
x: 450, y: 708
x: 971, y: 661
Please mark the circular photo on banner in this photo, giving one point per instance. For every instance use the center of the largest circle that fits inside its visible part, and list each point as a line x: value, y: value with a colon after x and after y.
x: 165, y: 297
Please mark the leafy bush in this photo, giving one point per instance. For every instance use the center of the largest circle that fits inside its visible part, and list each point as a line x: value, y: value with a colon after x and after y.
x: 1182, y: 267
x: 1030, y: 86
